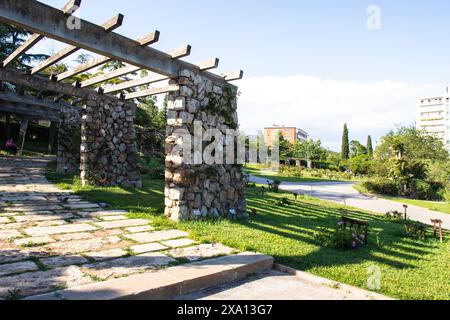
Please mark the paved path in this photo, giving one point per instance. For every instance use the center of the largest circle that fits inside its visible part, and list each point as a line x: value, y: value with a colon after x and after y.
x: 276, y: 285
x: 51, y: 239
x: 343, y: 192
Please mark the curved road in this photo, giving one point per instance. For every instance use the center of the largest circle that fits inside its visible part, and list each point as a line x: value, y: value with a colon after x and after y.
x: 343, y: 192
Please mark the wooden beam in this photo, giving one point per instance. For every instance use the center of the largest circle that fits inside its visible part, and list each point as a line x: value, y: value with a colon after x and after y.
x: 69, y: 8
x: 151, y: 92
x: 181, y: 52
x: 134, y: 83
x: 109, y: 25
x: 46, y: 20
x: 144, y: 41
x: 41, y: 83
x: 154, y: 77
x: 108, y: 76
x: 29, y: 100
x: 231, y: 76
x: 175, y: 54
x: 30, y: 111
x: 149, y: 39
x: 83, y: 68
x: 208, y: 64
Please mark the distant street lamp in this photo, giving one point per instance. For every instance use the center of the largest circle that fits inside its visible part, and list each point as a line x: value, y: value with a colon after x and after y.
x: 406, y: 211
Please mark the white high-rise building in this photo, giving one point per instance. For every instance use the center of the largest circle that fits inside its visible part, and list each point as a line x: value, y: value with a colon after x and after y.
x: 434, y: 117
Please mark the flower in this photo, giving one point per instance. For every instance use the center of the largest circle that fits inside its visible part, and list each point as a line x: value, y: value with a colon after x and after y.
x: 354, y: 244
x: 341, y: 223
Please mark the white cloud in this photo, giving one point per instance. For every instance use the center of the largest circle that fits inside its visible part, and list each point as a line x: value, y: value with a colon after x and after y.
x: 321, y: 107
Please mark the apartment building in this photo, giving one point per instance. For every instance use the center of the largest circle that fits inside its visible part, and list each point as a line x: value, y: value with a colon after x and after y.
x: 434, y: 117
x: 291, y: 134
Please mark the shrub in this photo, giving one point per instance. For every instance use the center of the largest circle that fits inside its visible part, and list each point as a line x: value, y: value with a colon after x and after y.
x: 394, y: 215
x: 415, y: 230
x: 381, y: 186
x: 342, y: 238
x: 154, y: 167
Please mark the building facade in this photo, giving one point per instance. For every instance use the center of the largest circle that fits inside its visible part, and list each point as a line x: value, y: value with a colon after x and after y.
x: 434, y: 117
x: 291, y: 134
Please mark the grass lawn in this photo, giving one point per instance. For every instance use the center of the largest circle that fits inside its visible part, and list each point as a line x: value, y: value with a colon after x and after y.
x: 432, y: 205
x: 255, y: 170
x: 410, y: 269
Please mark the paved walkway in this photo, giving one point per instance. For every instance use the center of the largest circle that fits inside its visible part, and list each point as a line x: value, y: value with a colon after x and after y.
x: 343, y: 192
x: 276, y: 285
x: 51, y: 239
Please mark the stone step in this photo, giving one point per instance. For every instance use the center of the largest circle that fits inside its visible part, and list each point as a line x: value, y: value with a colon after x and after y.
x: 169, y: 283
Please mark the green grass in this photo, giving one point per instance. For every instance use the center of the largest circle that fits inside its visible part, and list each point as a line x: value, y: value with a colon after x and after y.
x: 257, y: 171
x: 432, y: 205
x: 410, y: 269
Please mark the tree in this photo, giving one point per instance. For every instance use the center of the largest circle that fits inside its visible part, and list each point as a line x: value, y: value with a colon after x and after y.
x: 357, y: 149
x: 10, y: 39
x: 310, y: 149
x: 286, y: 148
x: 369, y: 147
x: 411, y: 143
x: 345, y: 153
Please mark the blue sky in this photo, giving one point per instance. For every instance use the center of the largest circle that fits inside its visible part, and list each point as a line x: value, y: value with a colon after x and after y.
x: 286, y: 46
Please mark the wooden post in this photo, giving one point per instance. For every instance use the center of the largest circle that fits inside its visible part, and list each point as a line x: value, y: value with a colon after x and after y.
x: 8, y: 126
x: 406, y: 211
x: 52, y: 137
x: 22, y: 135
x: 435, y: 223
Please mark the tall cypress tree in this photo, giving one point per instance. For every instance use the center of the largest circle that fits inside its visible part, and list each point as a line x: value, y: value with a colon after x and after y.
x: 369, y: 147
x: 345, y: 144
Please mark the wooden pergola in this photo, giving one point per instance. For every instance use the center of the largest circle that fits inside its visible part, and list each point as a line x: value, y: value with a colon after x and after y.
x: 48, y: 22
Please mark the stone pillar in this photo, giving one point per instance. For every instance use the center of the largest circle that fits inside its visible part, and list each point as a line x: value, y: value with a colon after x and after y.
x: 8, y: 126
x: 22, y: 135
x: 69, y: 140
x: 198, y: 190
x: 108, y: 144
x: 53, y: 131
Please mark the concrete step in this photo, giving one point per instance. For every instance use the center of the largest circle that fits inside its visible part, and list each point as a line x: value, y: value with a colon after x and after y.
x: 171, y: 282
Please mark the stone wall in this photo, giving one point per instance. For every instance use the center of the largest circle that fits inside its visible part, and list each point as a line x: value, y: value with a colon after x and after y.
x: 195, y: 190
x: 69, y: 139
x: 108, y: 144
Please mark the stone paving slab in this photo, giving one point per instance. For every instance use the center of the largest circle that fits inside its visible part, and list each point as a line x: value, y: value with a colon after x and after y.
x: 150, y: 247
x: 97, y: 214
x: 147, y: 237
x: 73, y: 236
x: 18, y: 267
x: 4, y: 220
x: 127, y: 266
x: 81, y: 246
x: 33, y: 283
x: 34, y: 241
x: 39, y: 218
x: 201, y: 251
x: 63, y: 261
x: 106, y: 255
x: 139, y: 229
x: 122, y: 223
x: 179, y: 243
x: 114, y: 218
x: 9, y: 234
x: 75, y: 206
x: 71, y: 228
x: 12, y: 255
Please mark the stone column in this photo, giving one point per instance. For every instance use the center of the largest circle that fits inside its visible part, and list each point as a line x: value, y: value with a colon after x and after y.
x: 69, y: 141
x: 53, y: 131
x: 22, y: 135
x: 8, y: 126
x: 198, y: 190
x: 108, y: 144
